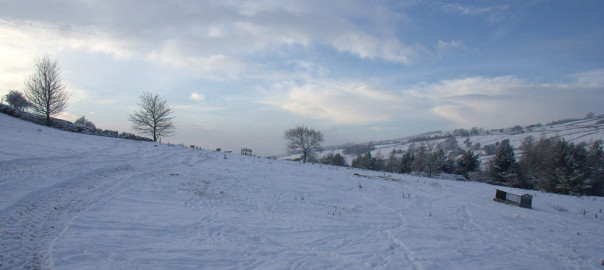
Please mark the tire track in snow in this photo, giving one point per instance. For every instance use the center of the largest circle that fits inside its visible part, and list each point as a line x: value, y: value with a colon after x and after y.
x: 29, y: 226
x: 11, y: 169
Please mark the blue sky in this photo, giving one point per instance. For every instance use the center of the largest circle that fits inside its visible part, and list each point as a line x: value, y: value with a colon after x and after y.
x: 238, y: 73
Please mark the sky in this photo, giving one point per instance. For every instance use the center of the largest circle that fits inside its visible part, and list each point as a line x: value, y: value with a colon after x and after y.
x: 239, y: 73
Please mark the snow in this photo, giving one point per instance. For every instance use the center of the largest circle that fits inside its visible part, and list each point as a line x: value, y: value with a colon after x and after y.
x: 578, y: 131
x: 73, y: 201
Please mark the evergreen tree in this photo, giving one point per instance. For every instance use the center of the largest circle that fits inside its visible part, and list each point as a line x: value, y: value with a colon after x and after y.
x: 407, y: 162
x: 448, y: 165
x: 450, y: 144
x: 379, y: 163
x: 429, y: 159
x: 543, y: 165
x: 339, y: 160
x: 391, y: 163
x: 365, y: 161
x: 569, y: 171
x: 420, y: 159
x: 356, y: 162
x: 435, y: 161
x: 368, y: 162
x: 331, y: 159
x: 503, y: 164
x: 595, y: 170
x: 527, y: 163
x: 555, y: 165
x: 468, y: 162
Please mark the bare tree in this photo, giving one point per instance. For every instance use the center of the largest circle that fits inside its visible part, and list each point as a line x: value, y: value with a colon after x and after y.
x: 45, y: 90
x: 17, y: 100
x: 154, y: 117
x: 302, y: 140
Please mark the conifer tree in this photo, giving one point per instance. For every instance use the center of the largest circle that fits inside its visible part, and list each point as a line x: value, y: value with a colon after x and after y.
x: 503, y: 164
x: 406, y: 163
x: 468, y: 162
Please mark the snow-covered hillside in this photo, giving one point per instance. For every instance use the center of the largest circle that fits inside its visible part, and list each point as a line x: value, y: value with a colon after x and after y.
x: 577, y: 131
x: 73, y: 201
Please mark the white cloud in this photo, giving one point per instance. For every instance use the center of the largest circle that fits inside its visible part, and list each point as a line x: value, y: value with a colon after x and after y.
x: 473, y: 101
x: 76, y: 95
x: 254, y: 7
x: 343, y: 103
x: 23, y: 41
x: 197, y: 33
x: 174, y: 53
x: 197, y: 97
x: 370, y: 47
x: 476, y: 86
x: 380, y: 128
x: 492, y: 14
x: 193, y: 108
x: 590, y: 78
x: 471, y: 10
x: 508, y: 100
x: 443, y: 46
x: 67, y: 116
x: 38, y: 36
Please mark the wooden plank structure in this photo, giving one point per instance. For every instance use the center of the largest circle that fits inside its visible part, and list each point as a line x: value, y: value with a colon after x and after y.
x: 525, y: 200
x: 246, y: 151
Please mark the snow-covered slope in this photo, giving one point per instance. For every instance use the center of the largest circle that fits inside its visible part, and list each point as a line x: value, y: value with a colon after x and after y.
x: 72, y: 201
x: 577, y: 131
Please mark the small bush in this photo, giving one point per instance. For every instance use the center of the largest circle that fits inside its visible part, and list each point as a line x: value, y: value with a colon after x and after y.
x: 83, y: 122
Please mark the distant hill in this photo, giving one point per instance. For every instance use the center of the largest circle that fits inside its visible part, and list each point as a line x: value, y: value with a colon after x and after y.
x: 571, y: 130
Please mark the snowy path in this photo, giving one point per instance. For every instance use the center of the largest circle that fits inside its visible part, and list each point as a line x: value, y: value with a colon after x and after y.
x: 51, y: 192
x: 82, y: 202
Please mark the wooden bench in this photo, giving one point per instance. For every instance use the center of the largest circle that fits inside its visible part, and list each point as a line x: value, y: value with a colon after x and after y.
x: 525, y: 200
x: 246, y: 151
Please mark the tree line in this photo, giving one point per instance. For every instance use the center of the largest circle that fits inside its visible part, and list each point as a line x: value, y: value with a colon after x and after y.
x: 548, y: 164
x: 553, y: 165
x: 428, y: 158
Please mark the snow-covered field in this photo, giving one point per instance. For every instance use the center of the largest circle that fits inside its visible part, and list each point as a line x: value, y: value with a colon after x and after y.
x: 577, y: 131
x: 72, y: 201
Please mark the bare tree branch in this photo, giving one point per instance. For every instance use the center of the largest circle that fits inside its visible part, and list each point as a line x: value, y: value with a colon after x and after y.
x: 45, y: 90
x: 302, y: 140
x: 154, y: 117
